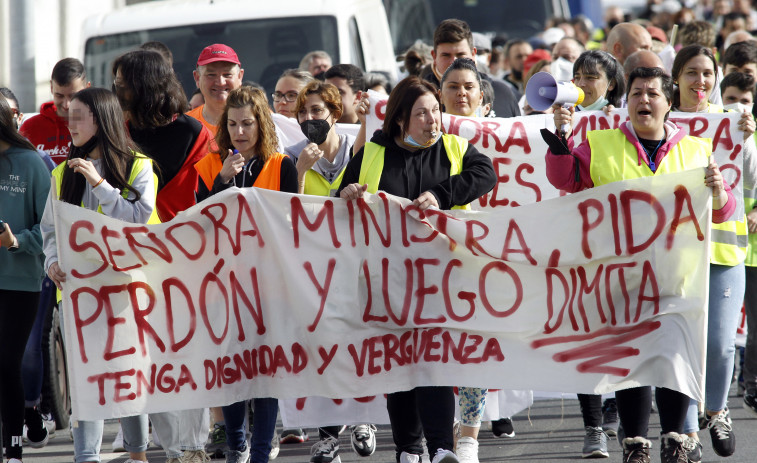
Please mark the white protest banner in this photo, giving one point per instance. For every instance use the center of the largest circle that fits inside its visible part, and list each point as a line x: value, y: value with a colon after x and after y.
x: 256, y: 293
x: 313, y: 412
x: 518, y: 151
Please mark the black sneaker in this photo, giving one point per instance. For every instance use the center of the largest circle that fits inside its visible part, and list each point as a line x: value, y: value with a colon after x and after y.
x: 721, y: 433
x: 36, y: 432
x: 217, y: 446
x: 610, y: 417
x: 326, y: 451
x: 636, y: 450
x: 750, y: 401
x: 672, y: 448
x: 503, y: 428
x: 693, y: 449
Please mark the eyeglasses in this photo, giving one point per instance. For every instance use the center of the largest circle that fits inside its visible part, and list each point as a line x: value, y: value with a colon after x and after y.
x: 289, y: 97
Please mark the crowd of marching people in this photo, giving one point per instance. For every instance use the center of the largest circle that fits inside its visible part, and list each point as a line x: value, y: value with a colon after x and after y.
x: 144, y: 150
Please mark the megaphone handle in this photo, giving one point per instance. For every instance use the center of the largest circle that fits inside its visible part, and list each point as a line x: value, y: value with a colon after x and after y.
x: 565, y: 128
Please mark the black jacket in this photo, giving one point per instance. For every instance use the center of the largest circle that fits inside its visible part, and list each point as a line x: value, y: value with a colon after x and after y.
x: 409, y: 173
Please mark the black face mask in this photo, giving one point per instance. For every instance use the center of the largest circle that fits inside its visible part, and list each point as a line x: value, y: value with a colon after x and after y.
x: 316, y: 130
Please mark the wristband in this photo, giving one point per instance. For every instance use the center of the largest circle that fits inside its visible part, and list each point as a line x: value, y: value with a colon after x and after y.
x: 98, y: 183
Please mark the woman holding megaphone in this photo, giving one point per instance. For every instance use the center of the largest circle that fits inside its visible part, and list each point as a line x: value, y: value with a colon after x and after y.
x: 655, y: 146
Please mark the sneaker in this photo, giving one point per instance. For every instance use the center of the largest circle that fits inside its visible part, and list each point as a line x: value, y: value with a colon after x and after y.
x: 610, y: 417
x: 275, y: 447
x: 293, y: 436
x: 409, y: 458
x: 721, y: 433
x: 49, y: 421
x: 672, y: 448
x: 118, y: 443
x: 595, y: 443
x: 693, y: 449
x: 503, y: 428
x: 364, y: 439
x: 636, y: 450
x: 445, y: 456
x: 195, y: 456
x: 174, y: 460
x: 750, y: 401
x: 217, y: 441
x: 325, y: 451
x: 467, y: 450
x: 235, y: 456
x: 36, y: 432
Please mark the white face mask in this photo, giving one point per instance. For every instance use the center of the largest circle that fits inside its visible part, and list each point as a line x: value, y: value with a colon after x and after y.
x: 562, y: 69
x: 739, y: 107
x: 483, y: 62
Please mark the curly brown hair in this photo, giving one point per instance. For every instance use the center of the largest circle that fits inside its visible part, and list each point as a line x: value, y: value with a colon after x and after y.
x: 258, y: 103
x: 328, y: 93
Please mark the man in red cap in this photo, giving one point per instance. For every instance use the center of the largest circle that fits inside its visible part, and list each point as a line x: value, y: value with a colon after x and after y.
x: 218, y: 73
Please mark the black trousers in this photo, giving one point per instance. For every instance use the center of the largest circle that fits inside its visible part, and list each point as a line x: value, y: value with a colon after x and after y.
x: 591, y: 409
x: 634, y: 408
x: 17, y: 312
x: 424, y: 411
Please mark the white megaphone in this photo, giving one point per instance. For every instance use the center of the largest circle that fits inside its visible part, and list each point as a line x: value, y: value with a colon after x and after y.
x: 543, y: 91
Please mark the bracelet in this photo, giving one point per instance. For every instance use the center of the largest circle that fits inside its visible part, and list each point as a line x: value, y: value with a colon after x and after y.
x: 98, y: 183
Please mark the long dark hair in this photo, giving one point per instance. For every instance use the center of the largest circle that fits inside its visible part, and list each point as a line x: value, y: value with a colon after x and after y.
x: 682, y: 57
x: 8, y: 132
x: 401, y: 101
x: 241, y: 97
x: 116, y: 147
x: 596, y: 61
x: 151, y: 91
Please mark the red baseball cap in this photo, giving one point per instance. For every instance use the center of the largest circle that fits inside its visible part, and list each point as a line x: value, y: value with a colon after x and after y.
x: 534, y: 58
x: 217, y: 52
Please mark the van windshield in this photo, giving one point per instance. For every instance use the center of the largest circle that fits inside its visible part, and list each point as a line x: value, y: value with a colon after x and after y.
x: 266, y: 47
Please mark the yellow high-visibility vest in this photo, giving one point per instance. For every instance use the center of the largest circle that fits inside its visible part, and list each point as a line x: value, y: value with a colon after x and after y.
x: 614, y: 158
x: 373, y: 162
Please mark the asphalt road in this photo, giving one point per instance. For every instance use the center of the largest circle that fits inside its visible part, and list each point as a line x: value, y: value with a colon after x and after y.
x: 551, y: 431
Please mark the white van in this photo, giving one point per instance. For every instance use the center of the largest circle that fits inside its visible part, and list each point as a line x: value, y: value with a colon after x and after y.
x: 268, y: 36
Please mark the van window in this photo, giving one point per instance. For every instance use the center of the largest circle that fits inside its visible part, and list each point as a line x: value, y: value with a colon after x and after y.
x: 356, y: 45
x: 266, y: 47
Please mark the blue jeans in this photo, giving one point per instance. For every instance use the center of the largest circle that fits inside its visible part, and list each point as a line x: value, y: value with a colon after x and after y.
x: 726, y: 295
x: 263, y: 427
x: 88, y: 436
x: 32, y: 363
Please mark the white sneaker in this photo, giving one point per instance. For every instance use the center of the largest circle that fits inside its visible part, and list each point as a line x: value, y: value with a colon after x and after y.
x: 195, y: 456
x: 467, y: 450
x: 275, y: 447
x: 445, y: 456
x: 364, y: 439
x: 47, y: 418
x: 409, y: 458
x: 118, y: 442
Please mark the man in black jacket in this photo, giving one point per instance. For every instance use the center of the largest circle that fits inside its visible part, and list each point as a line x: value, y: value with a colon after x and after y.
x: 453, y: 39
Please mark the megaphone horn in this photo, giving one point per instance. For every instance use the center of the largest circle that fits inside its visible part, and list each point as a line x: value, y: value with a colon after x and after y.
x: 543, y: 91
